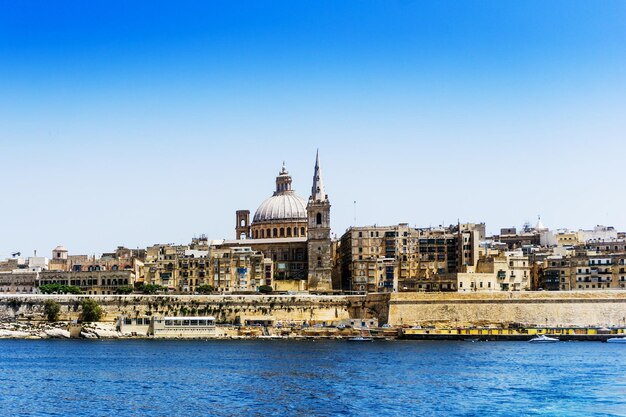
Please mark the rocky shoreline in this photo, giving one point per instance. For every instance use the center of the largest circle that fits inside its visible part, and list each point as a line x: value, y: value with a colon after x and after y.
x: 58, y: 330
x: 105, y: 330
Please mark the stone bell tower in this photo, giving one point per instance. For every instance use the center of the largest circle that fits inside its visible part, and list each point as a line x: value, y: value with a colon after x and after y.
x: 242, y: 228
x: 318, y: 243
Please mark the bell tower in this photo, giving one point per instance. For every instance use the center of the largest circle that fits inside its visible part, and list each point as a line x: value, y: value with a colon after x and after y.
x: 318, y: 243
x: 242, y: 228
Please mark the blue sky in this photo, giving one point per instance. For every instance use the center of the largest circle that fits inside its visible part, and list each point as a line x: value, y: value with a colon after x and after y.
x: 137, y: 123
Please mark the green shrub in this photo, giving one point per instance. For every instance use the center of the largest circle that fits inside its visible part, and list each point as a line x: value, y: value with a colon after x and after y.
x: 152, y: 288
x: 51, y: 309
x: 91, y: 310
x: 205, y: 289
x: 124, y: 290
x: 59, y: 289
x: 265, y: 289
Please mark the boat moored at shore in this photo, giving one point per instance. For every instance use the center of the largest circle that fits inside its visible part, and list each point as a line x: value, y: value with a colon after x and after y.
x: 542, y: 338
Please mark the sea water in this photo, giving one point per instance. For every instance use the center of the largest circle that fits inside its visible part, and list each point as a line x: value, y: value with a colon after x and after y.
x: 310, y: 378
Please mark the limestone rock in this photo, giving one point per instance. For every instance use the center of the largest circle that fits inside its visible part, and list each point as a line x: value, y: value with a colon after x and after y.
x: 13, y: 334
x: 58, y: 333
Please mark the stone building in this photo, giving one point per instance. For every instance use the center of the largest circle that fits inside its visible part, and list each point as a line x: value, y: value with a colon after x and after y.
x: 239, y: 269
x: 101, y: 282
x: 291, y: 234
x: 179, y: 268
x: 366, y: 264
x: 401, y: 258
x: 507, y: 271
x: 18, y: 282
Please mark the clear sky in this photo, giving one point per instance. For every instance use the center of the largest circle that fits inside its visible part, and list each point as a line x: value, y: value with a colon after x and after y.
x: 134, y: 123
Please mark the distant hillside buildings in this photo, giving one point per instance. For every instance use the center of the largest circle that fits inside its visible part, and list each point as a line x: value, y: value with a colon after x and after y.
x: 288, y: 246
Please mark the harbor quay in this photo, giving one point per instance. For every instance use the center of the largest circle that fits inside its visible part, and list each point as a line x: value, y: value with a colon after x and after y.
x: 584, y: 315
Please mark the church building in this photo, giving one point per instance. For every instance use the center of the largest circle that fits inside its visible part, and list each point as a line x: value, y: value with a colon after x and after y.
x: 291, y: 233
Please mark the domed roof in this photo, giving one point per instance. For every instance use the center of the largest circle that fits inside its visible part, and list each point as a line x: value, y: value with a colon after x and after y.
x: 539, y: 226
x: 60, y: 248
x: 283, y: 206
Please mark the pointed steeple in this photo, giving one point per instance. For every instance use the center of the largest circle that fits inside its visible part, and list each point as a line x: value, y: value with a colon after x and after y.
x: 318, y: 193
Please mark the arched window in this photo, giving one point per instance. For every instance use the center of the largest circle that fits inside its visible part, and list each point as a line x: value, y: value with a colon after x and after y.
x: 318, y: 219
x: 295, y: 231
x: 289, y: 232
x: 275, y: 232
x: 262, y: 233
x: 243, y: 223
x: 282, y: 232
x: 268, y: 233
x: 302, y: 231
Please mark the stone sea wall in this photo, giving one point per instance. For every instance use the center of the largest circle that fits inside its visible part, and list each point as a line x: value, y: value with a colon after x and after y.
x: 226, y: 309
x: 598, y: 308
x: 541, y: 308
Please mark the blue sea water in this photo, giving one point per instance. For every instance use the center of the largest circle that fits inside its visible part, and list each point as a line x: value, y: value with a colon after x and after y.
x: 310, y: 378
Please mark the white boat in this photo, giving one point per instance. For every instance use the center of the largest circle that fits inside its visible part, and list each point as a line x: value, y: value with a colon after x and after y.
x: 365, y: 336
x: 616, y: 340
x: 543, y: 339
x: 360, y: 339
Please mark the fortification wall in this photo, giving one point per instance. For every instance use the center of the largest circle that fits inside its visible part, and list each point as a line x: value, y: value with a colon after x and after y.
x: 225, y: 309
x: 575, y: 308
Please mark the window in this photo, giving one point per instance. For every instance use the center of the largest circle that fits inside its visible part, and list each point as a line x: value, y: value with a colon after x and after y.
x: 319, y: 218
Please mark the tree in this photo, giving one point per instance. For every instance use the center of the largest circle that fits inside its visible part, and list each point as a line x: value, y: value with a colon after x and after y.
x: 91, y: 310
x: 265, y: 289
x: 59, y: 289
x: 152, y: 288
x: 51, y: 309
x: 205, y: 289
x: 123, y: 290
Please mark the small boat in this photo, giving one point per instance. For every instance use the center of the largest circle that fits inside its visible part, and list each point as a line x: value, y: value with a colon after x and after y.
x: 360, y: 339
x: 365, y: 336
x: 616, y: 340
x: 543, y: 339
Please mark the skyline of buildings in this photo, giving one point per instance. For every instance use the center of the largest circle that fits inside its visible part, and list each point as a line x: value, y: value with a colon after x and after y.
x: 288, y: 245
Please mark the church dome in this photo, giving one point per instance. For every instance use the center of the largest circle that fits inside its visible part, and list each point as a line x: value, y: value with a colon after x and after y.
x: 284, y: 204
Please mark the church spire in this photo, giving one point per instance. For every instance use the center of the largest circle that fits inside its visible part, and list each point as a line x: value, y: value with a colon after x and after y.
x: 318, y: 193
